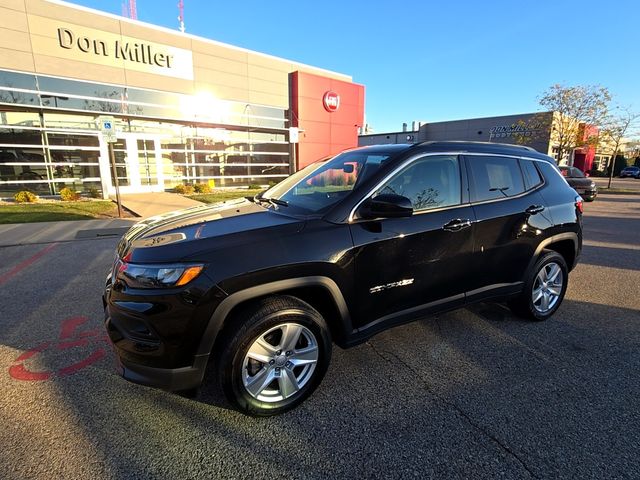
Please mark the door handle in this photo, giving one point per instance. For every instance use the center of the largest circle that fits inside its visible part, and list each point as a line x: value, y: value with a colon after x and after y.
x: 456, y: 225
x: 534, y: 209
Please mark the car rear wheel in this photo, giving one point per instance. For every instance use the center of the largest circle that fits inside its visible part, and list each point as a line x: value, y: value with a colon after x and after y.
x: 273, y: 356
x: 544, y: 288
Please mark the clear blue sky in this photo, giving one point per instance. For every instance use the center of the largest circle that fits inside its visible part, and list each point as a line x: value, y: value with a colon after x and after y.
x: 431, y: 60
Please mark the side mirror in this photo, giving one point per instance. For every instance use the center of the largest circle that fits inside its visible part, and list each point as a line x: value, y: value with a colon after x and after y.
x: 387, y: 205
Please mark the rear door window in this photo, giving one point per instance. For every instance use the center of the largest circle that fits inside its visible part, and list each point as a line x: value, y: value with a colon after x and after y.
x: 494, y: 177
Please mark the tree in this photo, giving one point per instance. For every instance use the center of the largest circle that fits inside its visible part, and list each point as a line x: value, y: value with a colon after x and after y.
x: 576, y: 109
x: 615, y: 129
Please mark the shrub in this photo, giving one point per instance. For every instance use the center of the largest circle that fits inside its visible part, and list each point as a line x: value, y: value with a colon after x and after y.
x: 597, y: 173
x: 184, y: 189
x: 25, y: 196
x: 272, y: 183
x: 202, y: 188
x: 93, y: 192
x: 68, y: 195
x: 254, y: 186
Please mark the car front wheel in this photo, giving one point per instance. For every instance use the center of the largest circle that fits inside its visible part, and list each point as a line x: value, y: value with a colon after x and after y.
x: 274, y: 355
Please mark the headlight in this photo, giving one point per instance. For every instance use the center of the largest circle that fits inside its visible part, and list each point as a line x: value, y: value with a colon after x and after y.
x: 593, y: 184
x: 156, y: 276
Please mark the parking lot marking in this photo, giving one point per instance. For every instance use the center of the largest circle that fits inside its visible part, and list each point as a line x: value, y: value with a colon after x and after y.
x: 69, y: 337
x: 19, y: 372
x: 22, y: 265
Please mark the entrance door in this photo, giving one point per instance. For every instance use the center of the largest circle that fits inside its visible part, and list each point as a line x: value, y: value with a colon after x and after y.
x: 138, y: 163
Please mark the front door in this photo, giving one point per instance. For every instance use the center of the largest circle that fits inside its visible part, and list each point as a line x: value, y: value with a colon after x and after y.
x: 403, y: 264
x: 138, y: 164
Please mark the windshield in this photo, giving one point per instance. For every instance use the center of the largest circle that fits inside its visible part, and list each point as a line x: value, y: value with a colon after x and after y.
x: 571, y: 172
x: 319, y: 186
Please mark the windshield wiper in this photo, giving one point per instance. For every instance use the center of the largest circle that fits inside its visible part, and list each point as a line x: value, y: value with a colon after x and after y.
x: 272, y: 201
x: 277, y: 201
x: 500, y: 189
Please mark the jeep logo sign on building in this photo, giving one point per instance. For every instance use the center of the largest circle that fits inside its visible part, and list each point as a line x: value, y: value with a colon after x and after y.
x: 331, y: 101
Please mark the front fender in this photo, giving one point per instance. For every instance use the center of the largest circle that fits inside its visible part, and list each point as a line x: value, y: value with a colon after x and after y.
x: 216, y: 323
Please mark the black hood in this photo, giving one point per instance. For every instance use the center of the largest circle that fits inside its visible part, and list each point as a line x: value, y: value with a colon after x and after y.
x: 182, y: 234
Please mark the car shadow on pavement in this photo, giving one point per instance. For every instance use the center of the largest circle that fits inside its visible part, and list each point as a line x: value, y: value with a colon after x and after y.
x: 549, y: 399
x: 611, y: 257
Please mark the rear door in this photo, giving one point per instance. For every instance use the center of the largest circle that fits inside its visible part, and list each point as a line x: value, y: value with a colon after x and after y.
x: 510, y: 219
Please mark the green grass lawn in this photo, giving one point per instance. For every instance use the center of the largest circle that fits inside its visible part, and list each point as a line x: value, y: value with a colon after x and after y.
x: 52, y: 212
x: 222, y: 195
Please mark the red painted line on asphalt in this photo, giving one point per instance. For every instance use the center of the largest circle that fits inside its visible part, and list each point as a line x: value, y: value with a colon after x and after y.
x: 18, y: 372
x: 94, y: 357
x: 70, y: 337
x: 70, y: 326
x: 73, y: 343
x: 29, y: 261
x: 30, y: 353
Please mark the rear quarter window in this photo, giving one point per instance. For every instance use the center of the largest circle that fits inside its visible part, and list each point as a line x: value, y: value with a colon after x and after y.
x: 552, y: 175
x: 531, y: 174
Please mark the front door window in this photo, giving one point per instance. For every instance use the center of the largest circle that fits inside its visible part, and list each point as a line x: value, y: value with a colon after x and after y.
x: 431, y: 182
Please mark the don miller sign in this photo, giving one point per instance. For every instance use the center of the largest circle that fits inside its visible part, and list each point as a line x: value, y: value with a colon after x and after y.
x: 137, y: 54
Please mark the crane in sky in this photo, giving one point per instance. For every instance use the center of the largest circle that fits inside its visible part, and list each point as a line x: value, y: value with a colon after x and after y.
x: 181, y: 15
x: 129, y: 9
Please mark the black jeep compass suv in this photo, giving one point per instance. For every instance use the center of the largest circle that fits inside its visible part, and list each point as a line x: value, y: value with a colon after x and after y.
x: 259, y: 289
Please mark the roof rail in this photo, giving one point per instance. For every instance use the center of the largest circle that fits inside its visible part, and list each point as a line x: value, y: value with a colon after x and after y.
x: 470, y: 142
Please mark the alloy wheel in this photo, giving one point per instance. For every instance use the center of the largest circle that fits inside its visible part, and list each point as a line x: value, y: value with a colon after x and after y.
x: 280, y: 362
x: 547, y: 287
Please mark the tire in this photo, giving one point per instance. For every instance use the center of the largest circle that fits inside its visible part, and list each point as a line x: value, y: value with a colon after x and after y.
x: 537, y: 301
x: 262, y: 369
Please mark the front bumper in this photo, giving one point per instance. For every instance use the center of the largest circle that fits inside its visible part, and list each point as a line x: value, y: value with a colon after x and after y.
x: 173, y: 379
x: 588, y: 192
x: 156, y: 335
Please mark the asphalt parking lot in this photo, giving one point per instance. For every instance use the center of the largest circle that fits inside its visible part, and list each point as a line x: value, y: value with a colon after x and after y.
x: 473, y: 393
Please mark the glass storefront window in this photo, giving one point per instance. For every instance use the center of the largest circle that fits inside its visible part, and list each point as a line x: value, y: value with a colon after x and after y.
x: 71, y: 121
x: 74, y: 87
x: 233, y: 143
x: 121, y: 168
x: 18, y: 80
x: 22, y: 119
x: 74, y: 156
x: 22, y: 98
x: 73, y: 140
x: 10, y: 81
x: 19, y: 136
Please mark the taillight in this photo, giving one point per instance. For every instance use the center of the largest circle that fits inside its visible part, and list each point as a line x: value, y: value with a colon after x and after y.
x: 579, y: 204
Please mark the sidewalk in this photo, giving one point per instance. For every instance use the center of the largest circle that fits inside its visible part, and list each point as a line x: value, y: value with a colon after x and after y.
x: 46, y: 232
x: 151, y: 204
x: 142, y: 204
